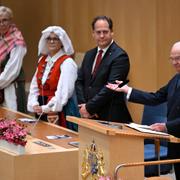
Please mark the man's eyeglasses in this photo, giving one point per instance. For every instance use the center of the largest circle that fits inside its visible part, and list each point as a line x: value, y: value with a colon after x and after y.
x: 176, y: 59
x: 50, y: 39
x: 4, y: 21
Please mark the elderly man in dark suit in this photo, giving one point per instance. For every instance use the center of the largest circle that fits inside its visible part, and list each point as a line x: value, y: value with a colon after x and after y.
x: 170, y: 93
x: 105, y: 63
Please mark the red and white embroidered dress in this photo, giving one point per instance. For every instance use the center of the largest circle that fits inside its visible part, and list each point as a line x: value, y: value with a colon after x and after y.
x: 61, y: 88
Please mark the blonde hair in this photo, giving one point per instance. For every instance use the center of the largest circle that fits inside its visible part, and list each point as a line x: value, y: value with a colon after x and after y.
x: 6, y: 11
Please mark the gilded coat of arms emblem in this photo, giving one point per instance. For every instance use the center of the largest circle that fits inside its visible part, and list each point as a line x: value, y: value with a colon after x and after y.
x: 93, y: 163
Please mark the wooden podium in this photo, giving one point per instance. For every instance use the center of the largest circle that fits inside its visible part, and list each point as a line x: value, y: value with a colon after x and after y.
x: 44, y: 159
x: 118, y: 144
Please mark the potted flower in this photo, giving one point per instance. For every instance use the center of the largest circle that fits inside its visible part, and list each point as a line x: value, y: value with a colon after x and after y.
x: 12, y: 136
x: 105, y: 178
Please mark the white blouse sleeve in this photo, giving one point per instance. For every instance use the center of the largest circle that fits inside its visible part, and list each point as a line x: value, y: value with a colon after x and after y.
x: 65, y: 87
x: 33, y: 94
x: 13, y: 66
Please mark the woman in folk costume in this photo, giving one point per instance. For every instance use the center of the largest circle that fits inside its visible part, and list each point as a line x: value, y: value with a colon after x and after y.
x: 53, y: 82
x: 12, y: 52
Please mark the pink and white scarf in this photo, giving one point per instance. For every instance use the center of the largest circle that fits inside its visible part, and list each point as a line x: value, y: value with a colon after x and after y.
x: 12, y: 38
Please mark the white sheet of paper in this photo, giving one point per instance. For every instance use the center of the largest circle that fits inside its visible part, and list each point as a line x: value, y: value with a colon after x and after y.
x: 145, y: 129
x: 64, y: 136
x: 27, y: 120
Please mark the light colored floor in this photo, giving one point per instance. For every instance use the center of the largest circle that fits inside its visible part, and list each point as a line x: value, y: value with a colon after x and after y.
x: 172, y: 175
x: 162, y: 177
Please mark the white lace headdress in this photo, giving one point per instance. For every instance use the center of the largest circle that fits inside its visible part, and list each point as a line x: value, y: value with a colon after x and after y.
x: 60, y: 32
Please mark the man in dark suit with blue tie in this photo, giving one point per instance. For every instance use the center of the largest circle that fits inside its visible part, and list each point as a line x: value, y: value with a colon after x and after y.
x: 170, y: 93
x: 105, y: 63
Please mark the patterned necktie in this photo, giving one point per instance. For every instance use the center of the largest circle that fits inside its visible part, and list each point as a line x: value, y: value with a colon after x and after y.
x: 98, y: 61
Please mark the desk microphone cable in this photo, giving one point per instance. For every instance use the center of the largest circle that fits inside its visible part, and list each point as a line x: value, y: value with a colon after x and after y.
x: 35, y: 124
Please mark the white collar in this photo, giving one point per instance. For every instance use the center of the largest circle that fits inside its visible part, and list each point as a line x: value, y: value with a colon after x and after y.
x: 106, y: 48
x: 55, y: 57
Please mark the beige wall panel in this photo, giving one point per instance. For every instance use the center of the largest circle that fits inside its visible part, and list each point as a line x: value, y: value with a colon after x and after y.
x: 134, y: 30
x: 168, y: 32
x: 146, y: 29
x: 31, y: 17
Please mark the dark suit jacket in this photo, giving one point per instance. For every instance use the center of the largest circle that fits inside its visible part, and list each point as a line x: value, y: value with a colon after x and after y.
x: 171, y: 94
x: 92, y: 91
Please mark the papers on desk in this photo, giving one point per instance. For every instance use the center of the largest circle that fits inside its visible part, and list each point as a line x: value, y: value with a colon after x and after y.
x: 41, y: 143
x: 27, y: 120
x: 74, y: 143
x: 145, y: 129
x: 63, y: 136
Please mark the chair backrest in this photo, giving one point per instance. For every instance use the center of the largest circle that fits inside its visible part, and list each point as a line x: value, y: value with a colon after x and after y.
x: 78, y: 58
x: 154, y: 114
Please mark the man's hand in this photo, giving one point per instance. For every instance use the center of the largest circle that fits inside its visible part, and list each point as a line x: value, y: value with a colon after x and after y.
x: 115, y: 87
x: 83, y: 111
x: 159, y: 127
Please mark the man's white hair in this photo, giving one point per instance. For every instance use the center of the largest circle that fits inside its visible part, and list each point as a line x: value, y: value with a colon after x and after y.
x: 6, y: 11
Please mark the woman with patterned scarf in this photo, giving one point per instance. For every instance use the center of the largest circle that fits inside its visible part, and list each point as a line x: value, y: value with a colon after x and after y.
x: 12, y: 52
x: 53, y: 82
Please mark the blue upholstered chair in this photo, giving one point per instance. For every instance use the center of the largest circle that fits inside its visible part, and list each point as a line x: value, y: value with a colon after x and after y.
x: 154, y: 114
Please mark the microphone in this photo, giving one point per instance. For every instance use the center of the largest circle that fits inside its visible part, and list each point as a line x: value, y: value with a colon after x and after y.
x: 50, y: 105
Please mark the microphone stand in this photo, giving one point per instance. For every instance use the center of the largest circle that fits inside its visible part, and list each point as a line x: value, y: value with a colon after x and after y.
x: 35, y: 124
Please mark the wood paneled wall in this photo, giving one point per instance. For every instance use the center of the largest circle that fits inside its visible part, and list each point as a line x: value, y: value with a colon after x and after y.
x: 146, y: 29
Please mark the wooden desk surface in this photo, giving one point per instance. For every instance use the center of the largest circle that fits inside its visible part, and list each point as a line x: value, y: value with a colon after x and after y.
x: 124, y: 131
x: 43, y: 158
x: 43, y: 129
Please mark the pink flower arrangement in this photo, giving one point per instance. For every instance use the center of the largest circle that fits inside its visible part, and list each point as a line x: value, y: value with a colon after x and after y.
x: 12, y: 132
x: 105, y: 178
